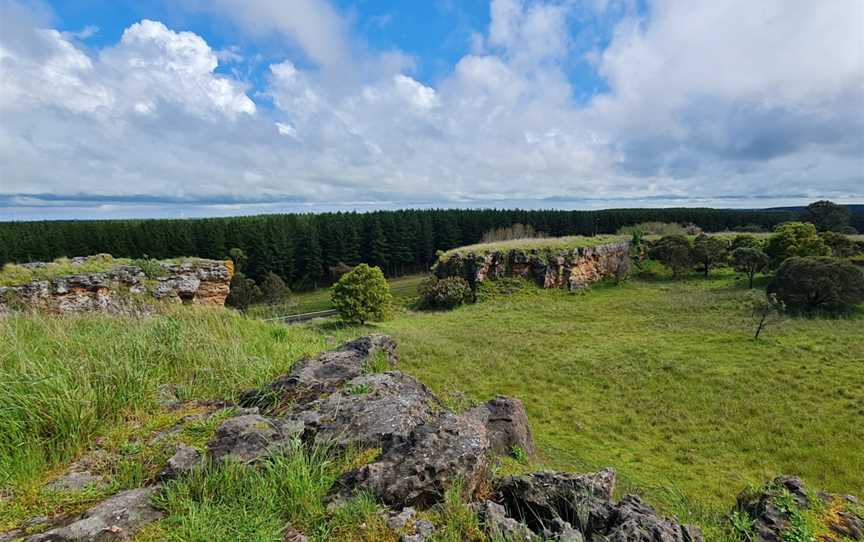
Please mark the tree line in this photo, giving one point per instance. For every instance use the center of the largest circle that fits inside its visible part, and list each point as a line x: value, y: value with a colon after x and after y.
x: 305, y: 249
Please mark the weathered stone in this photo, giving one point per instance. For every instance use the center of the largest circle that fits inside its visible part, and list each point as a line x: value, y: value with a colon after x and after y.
x: 246, y: 438
x: 423, y: 531
x: 770, y: 518
x: 573, y: 269
x: 498, y: 526
x: 372, y: 410
x: 635, y: 521
x: 506, y: 425
x: 184, y: 460
x: 398, y: 521
x: 75, y: 481
x: 201, y: 282
x: 310, y: 378
x: 540, y: 498
x: 416, y: 472
x: 117, y: 518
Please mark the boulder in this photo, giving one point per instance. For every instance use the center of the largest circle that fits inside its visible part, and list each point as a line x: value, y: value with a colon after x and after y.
x: 246, y: 438
x: 771, y: 516
x: 117, y: 518
x: 499, y: 526
x: 506, y: 425
x: 184, y: 460
x: 372, y: 410
x: 540, y: 498
x: 310, y: 378
x: 416, y: 472
x: 635, y: 521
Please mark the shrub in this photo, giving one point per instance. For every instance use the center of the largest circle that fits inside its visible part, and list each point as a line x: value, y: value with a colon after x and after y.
x: 708, y: 252
x: 795, y: 239
x: 446, y: 293
x: 818, y: 284
x: 745, y: 241
x: 274, y: 290
x: 151, y: 267
x: 841, y: 246
x: 244, y: 292
x: 362, y: 295
x: 673, y: 251
x: 749, y: 261
x: 827, y: 216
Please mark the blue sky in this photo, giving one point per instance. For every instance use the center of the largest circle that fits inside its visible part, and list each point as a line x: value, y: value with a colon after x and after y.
x: 212, y: 107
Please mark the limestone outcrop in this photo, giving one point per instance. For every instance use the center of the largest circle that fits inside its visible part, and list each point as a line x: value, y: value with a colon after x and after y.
x: 124, y: 288
x: 351, y: 398
x: 573, y: 269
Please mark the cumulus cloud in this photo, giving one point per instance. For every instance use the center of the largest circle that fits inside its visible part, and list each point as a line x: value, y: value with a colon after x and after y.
x: 706, y: 102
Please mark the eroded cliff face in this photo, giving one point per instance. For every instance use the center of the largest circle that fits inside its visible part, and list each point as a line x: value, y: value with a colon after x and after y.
x: 123, y: 288
x: 573, y: 269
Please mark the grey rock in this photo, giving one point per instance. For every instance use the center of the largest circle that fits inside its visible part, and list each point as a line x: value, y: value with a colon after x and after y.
x: 310, y: 378
x: 398, y: 521
x: 498, y: 526
x: 117, y: 518
x: 372, y: 410
x: 245, y: 438
x: 634, y: 521
x: 423, y: 531
x: 540, y: 498
x: 506, y: 424
x: 184, y: 460
x: 9, y: 536
x: 433, y: 456
x: 75, y: 481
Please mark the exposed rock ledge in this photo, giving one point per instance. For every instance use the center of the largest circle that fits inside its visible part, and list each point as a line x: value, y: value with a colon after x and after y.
x: 200, y: 282
x: 573, y: 269
x: 424, y: 447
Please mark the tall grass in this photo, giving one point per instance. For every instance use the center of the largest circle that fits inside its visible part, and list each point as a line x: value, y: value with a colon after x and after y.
x: 65, y: 380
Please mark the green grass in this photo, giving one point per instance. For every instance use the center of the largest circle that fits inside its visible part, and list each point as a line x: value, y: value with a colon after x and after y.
x: 538, y: 244
x: 404, y: 290
x: 659, y: 379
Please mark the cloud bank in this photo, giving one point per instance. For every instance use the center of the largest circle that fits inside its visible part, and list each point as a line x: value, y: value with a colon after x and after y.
x: 706, y: 102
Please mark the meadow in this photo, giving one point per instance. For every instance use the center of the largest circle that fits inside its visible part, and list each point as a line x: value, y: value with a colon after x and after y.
x: 659, y: 379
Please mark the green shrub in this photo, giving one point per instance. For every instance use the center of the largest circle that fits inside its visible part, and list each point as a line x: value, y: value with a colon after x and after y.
x: 362, y: 295
x: 709, y: 252
x: 841, y: 246
x: 795, y: 239
x: 818, y: 284
x: 749, y: 260
x: 151, y: 268
x: 675, y: 252
x: 447, y: 293
x: 745, y: 241
x: 274, y: 290
x: 244, y: 292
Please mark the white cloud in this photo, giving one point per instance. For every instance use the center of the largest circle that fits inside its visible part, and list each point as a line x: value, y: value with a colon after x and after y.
x: 705, y: 100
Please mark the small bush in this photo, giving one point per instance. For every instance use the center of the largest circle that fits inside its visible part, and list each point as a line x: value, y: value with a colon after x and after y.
x: 818, y: 284
x: 362, y: 295
x: 243, y: 292
x: 274, y: 290
x: 447, y: 293
x: 151, y: 268
x: 749, y: 261
x: 675, y: 252
x: 795, y: 239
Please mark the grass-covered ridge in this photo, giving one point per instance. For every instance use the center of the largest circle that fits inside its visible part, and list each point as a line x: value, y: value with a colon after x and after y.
x: 543, y: 244
x: 17, y: 275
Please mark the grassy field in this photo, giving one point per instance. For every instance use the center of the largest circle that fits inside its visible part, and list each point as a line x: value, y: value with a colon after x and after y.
x: 659, y: 379
x: 404, y: 290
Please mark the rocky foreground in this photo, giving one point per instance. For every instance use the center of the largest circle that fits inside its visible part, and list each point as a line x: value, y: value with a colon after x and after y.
x: 337, y: 399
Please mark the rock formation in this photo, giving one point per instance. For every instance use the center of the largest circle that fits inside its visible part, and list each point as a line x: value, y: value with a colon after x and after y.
x: 200, y: 282
x: 336, y: 399
x: 573, y: 269
x: 776, y: 510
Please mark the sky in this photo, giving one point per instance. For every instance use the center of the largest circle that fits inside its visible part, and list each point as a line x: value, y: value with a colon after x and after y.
x: 182, y: 108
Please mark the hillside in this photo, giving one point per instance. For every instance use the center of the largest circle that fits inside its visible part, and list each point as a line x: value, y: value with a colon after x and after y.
x: 659, y: 379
